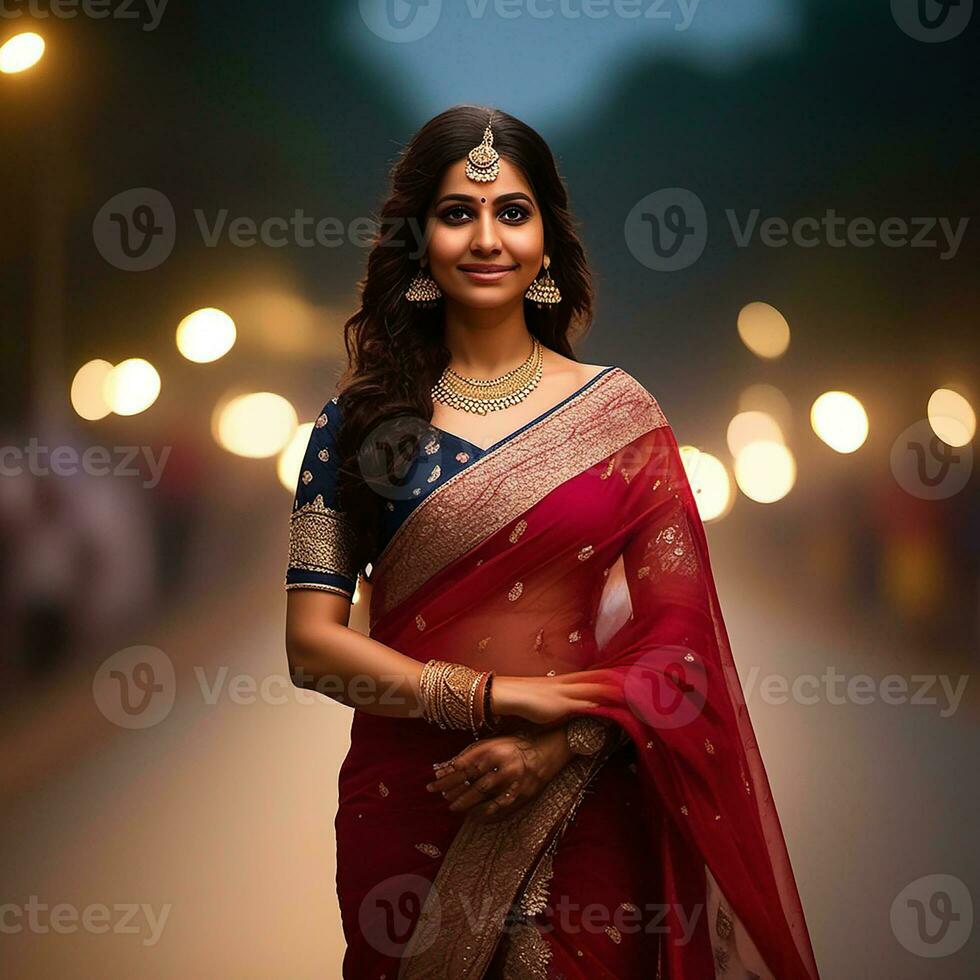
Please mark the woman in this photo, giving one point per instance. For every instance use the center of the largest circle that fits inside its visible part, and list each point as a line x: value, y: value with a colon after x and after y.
x: 552, y: 772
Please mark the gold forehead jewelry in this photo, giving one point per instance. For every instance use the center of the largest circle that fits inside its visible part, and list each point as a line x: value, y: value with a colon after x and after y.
x: 483, y: 161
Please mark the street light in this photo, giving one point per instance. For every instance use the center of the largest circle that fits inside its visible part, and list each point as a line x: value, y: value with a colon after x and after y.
x: 21, y: 52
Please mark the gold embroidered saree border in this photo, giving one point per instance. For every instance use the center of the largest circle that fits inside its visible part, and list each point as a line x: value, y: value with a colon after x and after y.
x: 483, y: 873
x: 463, y: 511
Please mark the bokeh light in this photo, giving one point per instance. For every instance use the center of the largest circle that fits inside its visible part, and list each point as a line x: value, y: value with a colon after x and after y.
x: 952, y: 417
x: 749, y: 427
x: 765, y: 471
x: 291, y: 457
x: 131, y: 387
x: 256, y: 425
x: 769, y: 399
x: 840, y: 420
x: 763, y: 330
x: 21, y: 52
x: 710, y: 483
x: 88, y: 390
x: 205, y: 335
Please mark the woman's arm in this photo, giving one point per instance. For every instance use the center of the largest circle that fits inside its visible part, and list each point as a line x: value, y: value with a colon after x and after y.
x: 327, y: 656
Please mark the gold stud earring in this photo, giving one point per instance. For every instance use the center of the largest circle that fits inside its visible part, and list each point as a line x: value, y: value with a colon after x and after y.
x: 543, y: 291
x: 423, y: 290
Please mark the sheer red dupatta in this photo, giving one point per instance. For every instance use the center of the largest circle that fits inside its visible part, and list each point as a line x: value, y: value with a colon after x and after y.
x: 577, y: 547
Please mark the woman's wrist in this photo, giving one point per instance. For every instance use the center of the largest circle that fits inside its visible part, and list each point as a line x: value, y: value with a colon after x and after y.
x: 505, y: 700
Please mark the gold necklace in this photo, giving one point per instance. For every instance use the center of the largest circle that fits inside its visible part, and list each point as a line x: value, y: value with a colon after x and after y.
x: 482, y: 395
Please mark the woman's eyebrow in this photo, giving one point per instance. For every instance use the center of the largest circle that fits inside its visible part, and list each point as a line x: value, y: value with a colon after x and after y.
x: 515, y: 195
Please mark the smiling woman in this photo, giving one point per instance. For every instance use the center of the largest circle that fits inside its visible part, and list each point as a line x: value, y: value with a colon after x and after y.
x: 552, y: 771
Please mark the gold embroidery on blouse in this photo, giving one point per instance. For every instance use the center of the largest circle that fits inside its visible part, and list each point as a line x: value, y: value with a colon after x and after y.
x: 538, y: 641
x: 506, y: 482
x: 430, y: 850
x: 709, y: 747
x: 321, y: 539
x: 431, y: 447
x: 323, y: 455
x: 608, y: 471
x: 515, y: 592
x: 382, y: 789
x: 462, y: 457
x: 321, y: 421
x: 689, y: 657
x: 643, y: 571
x: 416, y: 491
x: 420, y: 622
x: 574, y: 636
x: 307, y: 476
x: 434, y: 475
x: 519, y: 529
x: 482, y: 645
x: 319, y: 585
x: 586, y: 553
x: 684, y: 810
x: 614, y: 934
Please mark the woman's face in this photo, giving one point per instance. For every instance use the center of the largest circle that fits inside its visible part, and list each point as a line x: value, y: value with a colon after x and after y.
x: 493, y: 224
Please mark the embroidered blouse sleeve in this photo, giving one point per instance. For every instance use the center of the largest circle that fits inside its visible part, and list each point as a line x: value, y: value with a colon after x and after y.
x: 321, y: 538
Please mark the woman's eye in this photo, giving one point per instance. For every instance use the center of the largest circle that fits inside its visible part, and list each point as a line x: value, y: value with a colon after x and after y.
x: 514, y: 208
x: 452, y: 213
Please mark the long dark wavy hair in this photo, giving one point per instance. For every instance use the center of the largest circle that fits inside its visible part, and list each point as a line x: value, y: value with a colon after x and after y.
x: 396, y: 349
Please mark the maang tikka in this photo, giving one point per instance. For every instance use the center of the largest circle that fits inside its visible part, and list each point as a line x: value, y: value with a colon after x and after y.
x: 483, y: 166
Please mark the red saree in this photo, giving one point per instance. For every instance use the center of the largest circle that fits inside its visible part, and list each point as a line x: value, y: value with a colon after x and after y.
x: 576, y: 545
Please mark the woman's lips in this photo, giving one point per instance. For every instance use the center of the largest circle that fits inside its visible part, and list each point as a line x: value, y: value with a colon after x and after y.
x: 478, y: 276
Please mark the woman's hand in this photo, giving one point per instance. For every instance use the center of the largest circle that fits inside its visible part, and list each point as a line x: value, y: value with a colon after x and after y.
x: 494, y: 776
x: 543, y: 700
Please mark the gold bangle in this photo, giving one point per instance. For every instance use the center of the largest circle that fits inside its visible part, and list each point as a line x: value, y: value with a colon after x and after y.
x: 446, y: 693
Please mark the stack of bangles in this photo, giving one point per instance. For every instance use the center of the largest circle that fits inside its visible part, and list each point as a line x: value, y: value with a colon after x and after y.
x: 457, y: 696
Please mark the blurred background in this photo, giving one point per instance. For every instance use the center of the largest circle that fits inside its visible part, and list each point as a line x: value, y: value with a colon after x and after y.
x: 778, y: 199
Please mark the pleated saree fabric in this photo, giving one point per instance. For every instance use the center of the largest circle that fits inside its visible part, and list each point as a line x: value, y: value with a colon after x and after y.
x: 573, y: 545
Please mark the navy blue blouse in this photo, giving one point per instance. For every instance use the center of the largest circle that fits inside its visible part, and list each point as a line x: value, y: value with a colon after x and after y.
x: 321, y: 537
